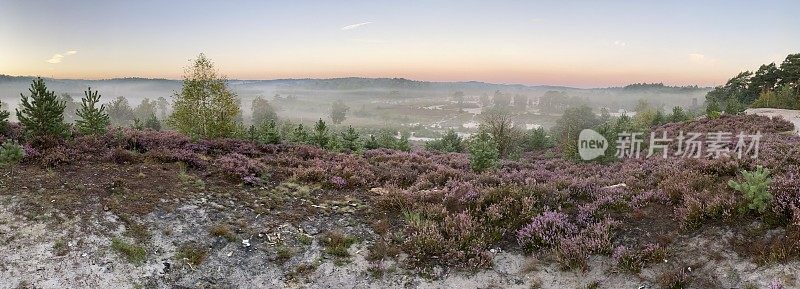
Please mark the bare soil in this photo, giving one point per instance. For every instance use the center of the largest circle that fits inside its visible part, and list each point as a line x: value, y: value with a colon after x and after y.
x: 57, y: 226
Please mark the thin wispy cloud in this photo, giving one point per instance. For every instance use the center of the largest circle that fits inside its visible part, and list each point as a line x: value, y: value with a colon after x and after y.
x: 701, y: 58
x: 696, y: 57
x: 57, y: 58
x: 354, y: 26
x: 620, y: 43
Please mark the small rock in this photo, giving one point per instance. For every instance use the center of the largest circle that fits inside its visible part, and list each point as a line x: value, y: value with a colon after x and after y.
x: 311, y: 230
x: 167, y: 265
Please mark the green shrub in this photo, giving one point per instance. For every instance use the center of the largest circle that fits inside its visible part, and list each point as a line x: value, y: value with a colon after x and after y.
x: 569, y: 126
x: 336, y: 243
x: 133, y: 253
x: 11, y: 153
x: 678, y: 115
x: 732, y: 106
x: 537, y: 139
x: 192, y: 253
x: 782, y: 97
x: 483, y: 152
x: 152, y: 122
x: 754, y: 188
x: 713, y: 110
x: 450, y: 142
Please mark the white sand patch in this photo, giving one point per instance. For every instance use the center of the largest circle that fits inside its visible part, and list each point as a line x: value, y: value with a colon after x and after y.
x: 787, y: 114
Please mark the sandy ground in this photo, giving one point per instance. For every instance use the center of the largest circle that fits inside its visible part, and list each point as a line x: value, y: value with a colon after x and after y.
x: 29, y: 259
x: 787, y: 114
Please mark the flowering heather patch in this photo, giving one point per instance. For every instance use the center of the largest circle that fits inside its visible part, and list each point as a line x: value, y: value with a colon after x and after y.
x: 58, y: 156
x: 647, y: 197
x: 786, y: 194
x: 545, y: 230
x: 121, y: 156
x: 186, y: 156
x: 30, y: 151
x: 572, y: 252
x: 13, y: 131
x: 634, y: 259
x: 238, y: 165
x: 730, y: 123
x: 146, y: 140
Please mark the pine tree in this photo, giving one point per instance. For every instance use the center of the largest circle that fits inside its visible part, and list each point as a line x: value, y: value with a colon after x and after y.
x: 92, y: 120
x: 252, y: 133
x: 450, y: 142
x: 483, y: 153
x: 403, y: 144
x: 42, y: 113
x: 678, y: 115
x: 386, y: 139
x: 152, y: 122
x: 537, y: 139
x: 335, y: 143
x: 269, y: 133
x: 350, y: 140
x: 300, y: 135
x: 371, y: 143
x: 321, y: 137
x: 3, y: 120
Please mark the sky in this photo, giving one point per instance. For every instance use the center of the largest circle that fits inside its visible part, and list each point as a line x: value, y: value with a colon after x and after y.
x: 573, y: 43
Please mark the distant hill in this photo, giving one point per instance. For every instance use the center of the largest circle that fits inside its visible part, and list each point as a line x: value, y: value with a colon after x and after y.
x: 353, y: 83
x: 137, y: 88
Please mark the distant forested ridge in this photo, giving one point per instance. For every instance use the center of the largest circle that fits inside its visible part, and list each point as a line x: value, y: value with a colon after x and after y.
x: 355, y: 83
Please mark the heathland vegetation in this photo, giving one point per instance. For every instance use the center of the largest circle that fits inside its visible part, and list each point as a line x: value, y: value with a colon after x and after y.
x: 455, y: 200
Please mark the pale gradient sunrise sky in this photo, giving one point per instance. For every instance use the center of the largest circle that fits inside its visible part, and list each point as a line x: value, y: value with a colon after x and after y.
x: 575, y: 43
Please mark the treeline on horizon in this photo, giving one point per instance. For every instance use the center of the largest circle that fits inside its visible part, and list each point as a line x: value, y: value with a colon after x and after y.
x: 770, y: 86
x: 349, y: 83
